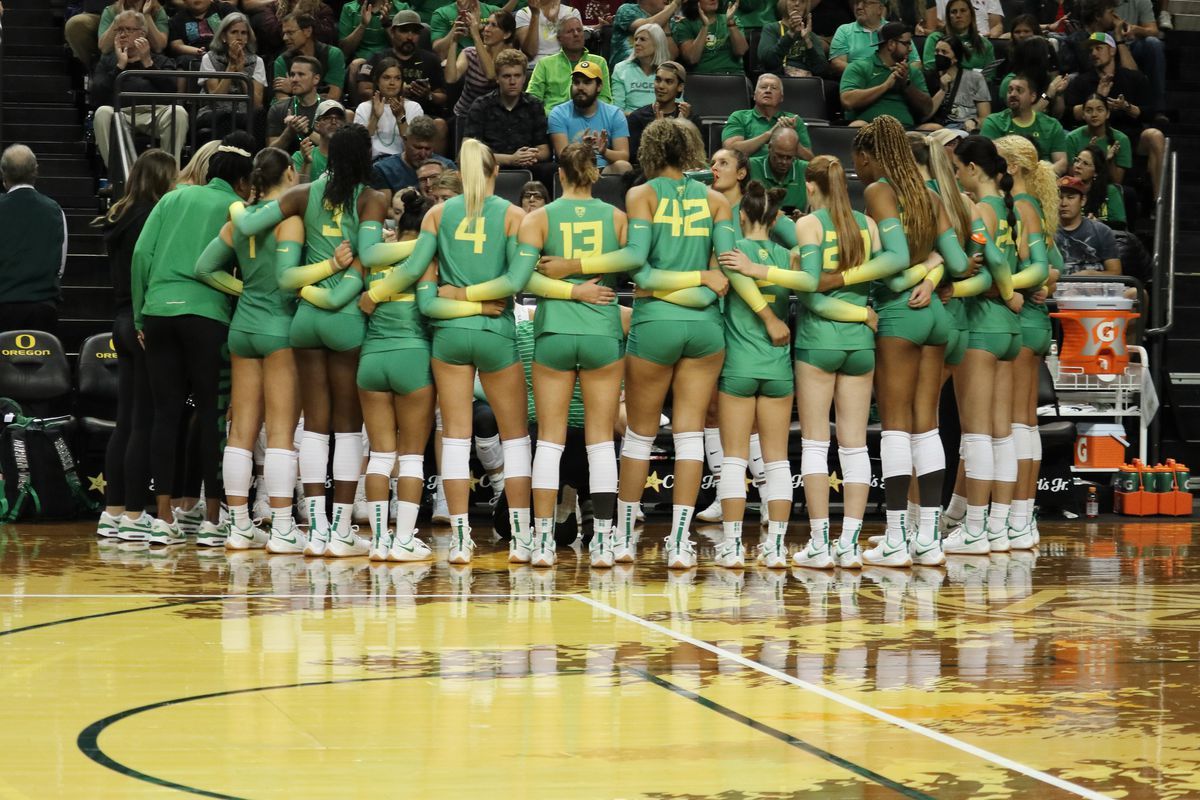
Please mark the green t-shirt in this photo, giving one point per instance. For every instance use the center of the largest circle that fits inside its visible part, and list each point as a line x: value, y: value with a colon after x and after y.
x: 473, y: 251
x: 718, y: 57
x: 1045, y: 131
x: 855, y: 42
x: 579, y: 229
x: 622, y: 32
x: 550, y: 81
x: 426, y: 8
x: 755, y: 14
x: 110, y: 13
x: 815, y: 332
x: 325, y: 228
x: 748, y: 123
x: 335, y: 68
x: 262, y: 307
x: 868, y: 73
x: 748, y: 351
x: 316, y: 169
x: 443, y: 20
x: 680, y: 241
x: 797, y: 192
x: 397, y: 323
x: 375, y: 37
x: 1080, y: 138
x: 975, y: 59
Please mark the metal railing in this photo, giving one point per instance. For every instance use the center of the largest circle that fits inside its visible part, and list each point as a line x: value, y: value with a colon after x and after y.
x: 1162, y: 282
x: 192, y: 101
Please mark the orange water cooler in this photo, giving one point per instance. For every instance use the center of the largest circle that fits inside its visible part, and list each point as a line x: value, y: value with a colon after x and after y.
x: 1094, y: 333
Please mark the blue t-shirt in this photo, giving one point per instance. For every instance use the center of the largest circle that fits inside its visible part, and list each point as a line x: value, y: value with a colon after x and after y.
x: 606, y: 117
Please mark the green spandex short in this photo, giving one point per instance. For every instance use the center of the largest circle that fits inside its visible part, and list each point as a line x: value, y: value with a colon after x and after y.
x: 942, y: 324
x: 755, y: 387
x: 667, y: 341
x: 914, y: 324
x: 395, y: 371
x: 956, y: 346
x: 484, y: 350
x: 314, y: 328
x: 844, y: 362
x: 567, y: 352
x: 256, y: 345
x: 1036, y: 339
x: 1003, y: 346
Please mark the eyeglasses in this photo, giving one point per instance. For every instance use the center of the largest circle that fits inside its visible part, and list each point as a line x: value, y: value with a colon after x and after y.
x: 532, y: 195
x: 129, y: 30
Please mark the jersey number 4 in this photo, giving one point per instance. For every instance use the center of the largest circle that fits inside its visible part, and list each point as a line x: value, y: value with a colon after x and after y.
x: 689, y: 221
x: 471, y: 230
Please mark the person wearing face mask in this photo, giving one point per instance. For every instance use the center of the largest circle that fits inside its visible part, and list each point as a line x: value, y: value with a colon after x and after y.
x: 962, y: 99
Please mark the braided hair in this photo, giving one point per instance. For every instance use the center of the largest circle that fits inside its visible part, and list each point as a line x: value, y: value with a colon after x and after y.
x: 886, y: 141
x: 349, y: 165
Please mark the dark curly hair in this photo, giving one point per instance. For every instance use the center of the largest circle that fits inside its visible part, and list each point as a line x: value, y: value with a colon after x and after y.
x: 349, y: 164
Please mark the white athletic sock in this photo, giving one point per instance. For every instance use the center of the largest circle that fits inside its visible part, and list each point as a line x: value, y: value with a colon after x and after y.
x: 342, y: 514
x: 851, y: 528
x: 714, y: 454
x: 318, y: 519
x: 957, y: 508
x: 377, y: 512
x: 777, y: 528
x: 998, y: 517
x: 543, y: 526
x: 240, y: 516
x: 406, y: 518
x: 733, y: 530
x: 627, y: 516
x: 820, y: 529
x: 895, y: 523
x: 681, y: 522
x: 913, y: 512
x: 1019, y: 514
x: 976, y: 518
x: 281, y: 519
x: 927, y: 525
x: 518, y: 520
x: 459, y: 522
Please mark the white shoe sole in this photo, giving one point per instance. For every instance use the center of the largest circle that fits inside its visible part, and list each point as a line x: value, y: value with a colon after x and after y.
x: 730, y: 563
x: 167, y: 540
x: 774, y: 561
x: 284, y: 548
x: 602, y: 560
x: 315, y: 548
x: 236, y: 541
x: 623, y: 555
x: 405, y: 557
x: 824, y: 561
x: 999, y: 545
x: 977, y: 548
x: 902, y: 559
x: 932, y: 558
x: 519, y: 554
x: 680, y: 561
x: 543, y: 559
x: 850, y: 563
x: 459, y: 557
x: 1023, y: 542
x: 340, y: 549
x: 133, y: 537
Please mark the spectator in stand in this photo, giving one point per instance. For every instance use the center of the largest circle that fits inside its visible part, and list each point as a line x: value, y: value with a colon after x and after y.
x: 192, y: 29
x: 35, y: 246
x: 131, y: 50
x: 1020, y: 119
x: 781, y: 166
x: 298, y: 34
x: 394, y: 173
x: 960, y: 24
x: 1137, y: 26
x: 476, y: 65
x: 749, y: 128
x: 1094, y: 16
x: 631, y: 17
x: 752, y: 16
x: 861, y: 39
x: 233, y: 50
x: 89, y: 33
x: 962, y: 100
x: 633, y: 78
x: 1103, y: 199
x: 511, y: 122
x: 447, y: 185
x: 710, y: 43
x: 1127, y: 94
x: 537, y: 27
x: 889, y: 83
x: 1035, y: 56
x: 789, y: 45
x: 449, y: 23
x: 427, y: 174
x: 534, y: 195
x: 313, y: 156
x: 157, y: 23
x: 362, y: 30
x: 386, y: 115
x: 586, y: 118
x: 669, y: 80
x: 551, y: 79
x: 1088, y: 247
x: 290, y: 120
x: 267, y: 16
x: 1096, y: 131
x: 424, y: 81
x: 986, y: 17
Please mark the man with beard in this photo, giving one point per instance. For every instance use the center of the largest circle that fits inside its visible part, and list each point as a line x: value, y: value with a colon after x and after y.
x: 887, y: 83
x: 585, y: 118
x: 424, y: 80
x: 1020, y: 119
x: 669, y: 79
x: 551, y: 78
x: 300, y: 38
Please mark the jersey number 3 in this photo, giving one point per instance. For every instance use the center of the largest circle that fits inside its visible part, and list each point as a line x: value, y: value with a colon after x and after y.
x: 471, y: 230
x: 689, y: 222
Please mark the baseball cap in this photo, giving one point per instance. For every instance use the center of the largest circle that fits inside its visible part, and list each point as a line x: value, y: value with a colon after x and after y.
x: 676, y: 68
x: 1069, y: 183
x: 891, y: 32
x: 405, y: 18
x: 1101, y: 38
x: 326, y: 106
x: 590, y: 69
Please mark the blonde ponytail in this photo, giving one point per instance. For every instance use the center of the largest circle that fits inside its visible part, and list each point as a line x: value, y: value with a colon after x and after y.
x: 476, y: 165
x: 827, y: 173
x: 952, y: 198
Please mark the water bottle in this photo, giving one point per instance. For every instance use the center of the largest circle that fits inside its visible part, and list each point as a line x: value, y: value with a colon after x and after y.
x: 1091, y: 509
x: 1052, y: 360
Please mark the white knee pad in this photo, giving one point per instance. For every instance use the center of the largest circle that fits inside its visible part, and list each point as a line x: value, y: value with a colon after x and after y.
x: 437, y: 418
x: 732, y: 484
x: 977, y: 456
x: 1004, y: 455
x: 895, y: 453
x: 757, y: 470
x: 545, y: 465
x: 381, y: 463
x: 927, y: 452
x: 636, y: 446
x: 714, y: 453
x: 1035, y: 443
x: 314, y: 457
x: 412, y: 465
x: 1022, y: 436
x: 689, y: 446
x: 490, y: 452
x: 237, y: 467
x: 456, y: 459
x: 814, y: 457
x: 779, y: 480
x: 279, y: 472
x: 347, y: 456
x: 856, y: 464
x: 260, y: 446
x: 602, y: 468
x: 518, y: 458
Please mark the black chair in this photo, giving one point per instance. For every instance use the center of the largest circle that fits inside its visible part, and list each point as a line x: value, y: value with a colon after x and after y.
x: 715, y: 96
x: 1057, y: 432
x: 97, y: 385
x: 806, y: 98
x: 837, y: 142
x: 34, y: 371
x: 610, y: 189
x: 509, y: 183
x: 712, y: 136
x: 856, y: 189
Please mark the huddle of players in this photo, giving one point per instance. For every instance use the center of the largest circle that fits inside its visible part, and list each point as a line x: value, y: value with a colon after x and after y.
x: 927, y: 284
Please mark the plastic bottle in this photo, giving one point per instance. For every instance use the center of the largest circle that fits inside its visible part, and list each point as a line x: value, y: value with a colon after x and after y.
x: 1092, y: 508
x: 1052, y: 360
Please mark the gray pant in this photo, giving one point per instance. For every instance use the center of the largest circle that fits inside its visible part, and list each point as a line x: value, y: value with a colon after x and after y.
x: 169, y: 124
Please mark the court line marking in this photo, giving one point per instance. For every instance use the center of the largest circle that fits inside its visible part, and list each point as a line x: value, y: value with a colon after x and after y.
x: 268, y: 595
x: 820, y: 691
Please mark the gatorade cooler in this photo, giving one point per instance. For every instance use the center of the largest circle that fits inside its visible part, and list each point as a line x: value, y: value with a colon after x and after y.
x: 1100, y: 445
x: 1094, y: 333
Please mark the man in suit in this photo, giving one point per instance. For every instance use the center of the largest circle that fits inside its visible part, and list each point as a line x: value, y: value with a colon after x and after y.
x: 34, y: 231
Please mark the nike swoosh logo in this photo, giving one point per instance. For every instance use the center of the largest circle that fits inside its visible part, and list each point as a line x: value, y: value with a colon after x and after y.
x: 922, y: 552
x: 893, y: 551
x: 291, y: 540
x: 409, y: 548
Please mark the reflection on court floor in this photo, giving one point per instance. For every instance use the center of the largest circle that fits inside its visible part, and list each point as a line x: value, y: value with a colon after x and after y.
x: 131, y: 671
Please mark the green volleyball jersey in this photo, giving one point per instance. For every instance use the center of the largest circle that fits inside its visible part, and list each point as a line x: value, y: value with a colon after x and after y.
x: 579, y: 229
x: 990, y: 314
x: 1034, y: 315
x: 325, y: 228
x: 396, y: 324
x: 783, y: 232
x: 882, y: 296
x: 814, y: 332
x: 748, y: 351
x: 680, y: 241
x: 474, y: 250
x: 262, y: 307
